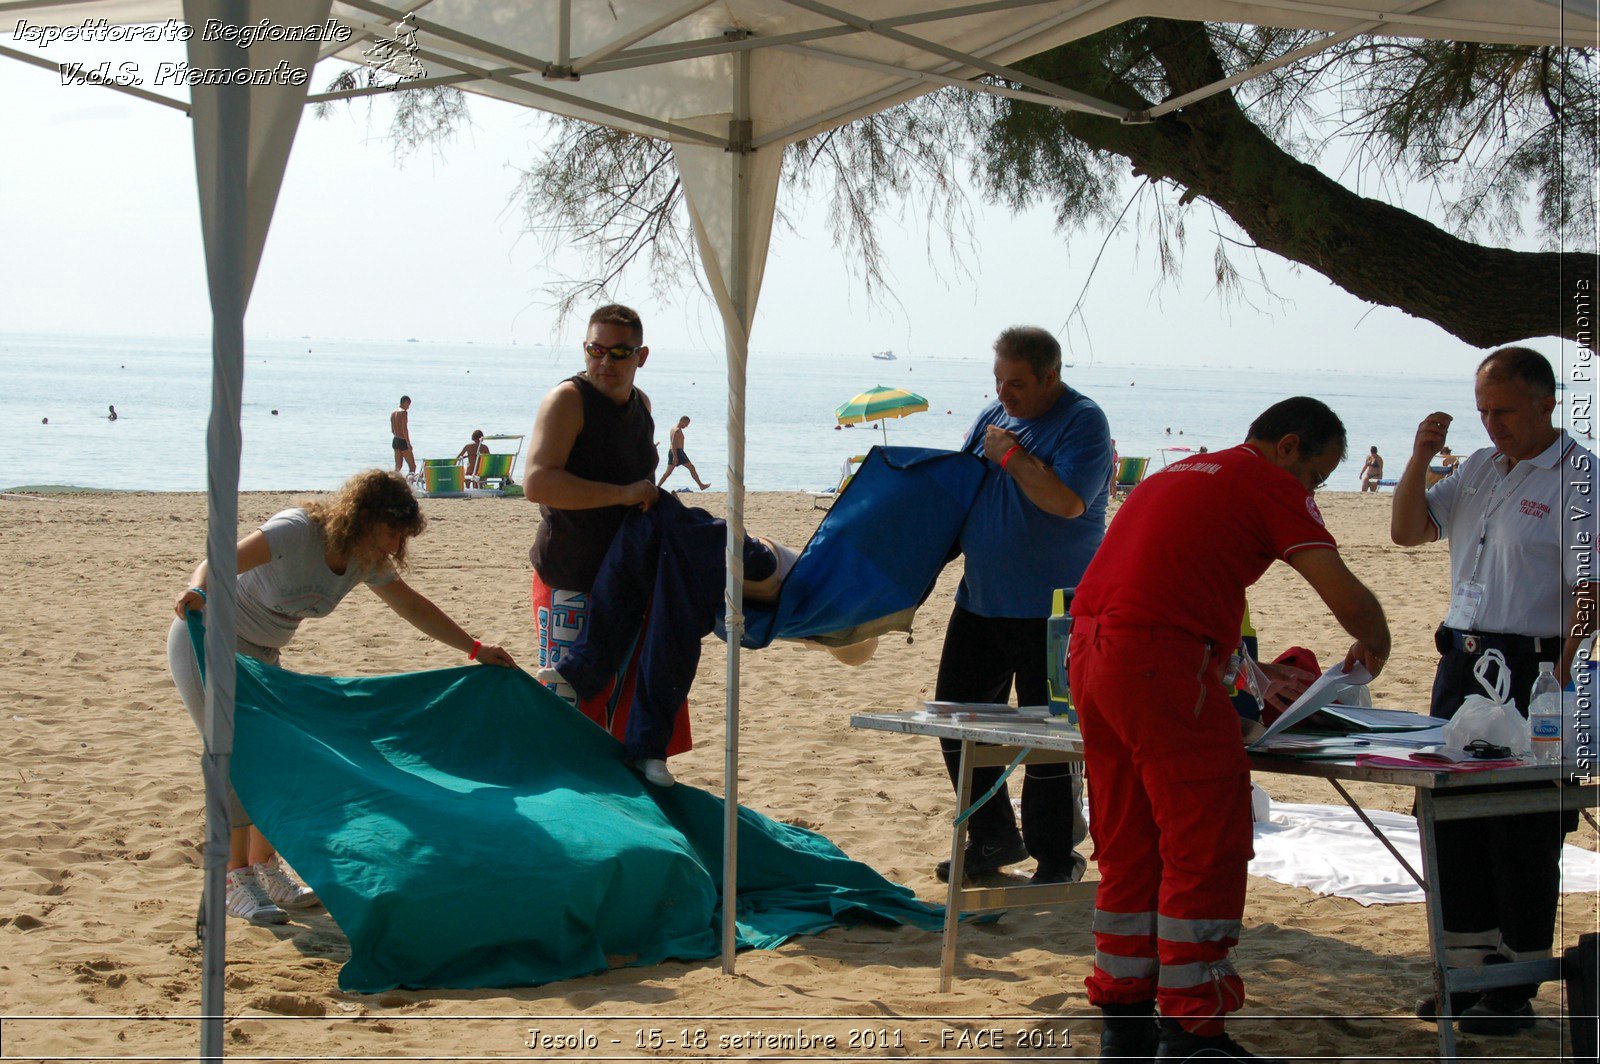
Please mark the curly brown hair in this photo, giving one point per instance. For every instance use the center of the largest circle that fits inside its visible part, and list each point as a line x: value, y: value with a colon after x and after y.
x: 366, y: 500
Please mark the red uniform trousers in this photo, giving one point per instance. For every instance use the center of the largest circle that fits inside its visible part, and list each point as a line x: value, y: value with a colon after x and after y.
x: 1169, y: 812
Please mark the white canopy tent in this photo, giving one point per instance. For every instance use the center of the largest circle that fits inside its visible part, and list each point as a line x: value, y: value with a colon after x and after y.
x: 729, y: 83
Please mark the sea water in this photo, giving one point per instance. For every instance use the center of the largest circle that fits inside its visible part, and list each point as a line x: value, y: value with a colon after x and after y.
x: 314, y: 411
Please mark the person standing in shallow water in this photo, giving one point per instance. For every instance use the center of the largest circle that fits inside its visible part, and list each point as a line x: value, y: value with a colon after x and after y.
x: 1372, y: 471
x: 113, y: 415
x: 400, y: 430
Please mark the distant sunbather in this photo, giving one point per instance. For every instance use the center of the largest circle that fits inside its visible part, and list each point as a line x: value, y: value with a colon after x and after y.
x: 470, y: 455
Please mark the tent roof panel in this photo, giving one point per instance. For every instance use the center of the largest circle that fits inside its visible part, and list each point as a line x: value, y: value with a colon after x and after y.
x: 662, y: 60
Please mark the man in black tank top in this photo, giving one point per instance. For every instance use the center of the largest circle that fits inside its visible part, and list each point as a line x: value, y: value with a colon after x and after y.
x: 593, y: 453
x: 592, y: 457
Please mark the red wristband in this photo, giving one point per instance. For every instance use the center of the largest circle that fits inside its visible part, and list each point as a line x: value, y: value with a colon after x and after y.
x: 1015, y: 447
x: 476, y: 646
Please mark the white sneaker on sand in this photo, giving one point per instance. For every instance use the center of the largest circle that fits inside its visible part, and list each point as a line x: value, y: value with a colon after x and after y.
x: 656, y: 771
x: 247, y: 897
x: 549, y: 676
x: 284, y: 888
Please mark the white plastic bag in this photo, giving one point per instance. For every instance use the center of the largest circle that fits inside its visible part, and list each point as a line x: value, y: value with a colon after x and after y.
x: 1493, y: 719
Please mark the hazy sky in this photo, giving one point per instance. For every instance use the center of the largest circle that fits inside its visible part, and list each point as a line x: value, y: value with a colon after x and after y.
x: 99, y: 233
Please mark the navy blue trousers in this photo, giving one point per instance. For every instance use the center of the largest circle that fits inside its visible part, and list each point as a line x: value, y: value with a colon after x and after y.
x: 660, y: 587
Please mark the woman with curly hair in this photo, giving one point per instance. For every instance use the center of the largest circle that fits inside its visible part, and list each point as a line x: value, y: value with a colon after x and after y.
x: 300, y: 564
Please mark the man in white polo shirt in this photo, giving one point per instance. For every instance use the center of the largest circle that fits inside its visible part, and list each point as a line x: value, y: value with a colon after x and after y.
x: 1517, y: 516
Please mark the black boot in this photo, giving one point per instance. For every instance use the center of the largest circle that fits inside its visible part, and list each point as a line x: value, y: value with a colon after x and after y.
x: 1178, y: 1044
x: 1503, y: 1012
x: 1128, y: 1031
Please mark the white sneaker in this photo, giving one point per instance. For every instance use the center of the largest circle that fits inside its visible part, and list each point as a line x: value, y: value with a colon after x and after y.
x: 656, y: 771
x: 284, y: 888
x: 247, y: 897
x: 548, y: 676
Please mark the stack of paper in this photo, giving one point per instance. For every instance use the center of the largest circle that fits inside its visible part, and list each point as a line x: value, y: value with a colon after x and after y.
x: 1318, y: 702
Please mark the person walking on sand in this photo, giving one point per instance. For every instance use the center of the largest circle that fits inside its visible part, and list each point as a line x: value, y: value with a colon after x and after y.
x: 400, y: 429
x: 301, y: 564
x: 677, y: 456
x: 1153, y: 622
x: 1372, y: 471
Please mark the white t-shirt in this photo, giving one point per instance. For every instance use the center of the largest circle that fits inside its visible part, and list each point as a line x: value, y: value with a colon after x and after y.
x: 297, y: 583
x: 1536, y: 523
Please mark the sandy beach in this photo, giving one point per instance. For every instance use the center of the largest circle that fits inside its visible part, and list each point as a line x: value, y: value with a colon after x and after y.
x: 100, y: 870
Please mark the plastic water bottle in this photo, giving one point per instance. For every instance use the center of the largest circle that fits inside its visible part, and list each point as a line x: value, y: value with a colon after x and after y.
x: 1544, y: 716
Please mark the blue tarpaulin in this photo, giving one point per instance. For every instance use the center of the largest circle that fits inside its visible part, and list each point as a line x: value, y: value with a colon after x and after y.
x: 880, y: 548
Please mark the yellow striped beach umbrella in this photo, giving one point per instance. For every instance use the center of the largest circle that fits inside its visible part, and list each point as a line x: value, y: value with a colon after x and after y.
x: 880, y: 404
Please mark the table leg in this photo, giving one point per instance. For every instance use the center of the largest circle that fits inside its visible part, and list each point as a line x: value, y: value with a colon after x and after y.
x: 1431, y: 886
x: 1380, y: 836
x: 958, y: 870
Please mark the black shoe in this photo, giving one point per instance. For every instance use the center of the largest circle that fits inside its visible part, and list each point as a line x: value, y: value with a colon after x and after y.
x: 1460, y: 1002
x: 1178, y: 1044
x: 985, y: 857
x: 1057, y: 872
x: 1129, y: 1031
x: 1497, y: 1016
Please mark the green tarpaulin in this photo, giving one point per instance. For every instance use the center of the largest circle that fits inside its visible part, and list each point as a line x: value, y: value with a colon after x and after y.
x: 466, y: 828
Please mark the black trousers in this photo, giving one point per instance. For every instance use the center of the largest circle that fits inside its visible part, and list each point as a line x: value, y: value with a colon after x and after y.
x: 1499, y: 873
x: 983, y: 657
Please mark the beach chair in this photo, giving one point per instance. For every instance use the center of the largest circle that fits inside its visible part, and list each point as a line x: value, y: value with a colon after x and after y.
x: 420, y: 476
x: 846, y: 473
x: 441, y: 476
x: 1130, y: 470
x: 493, y: 468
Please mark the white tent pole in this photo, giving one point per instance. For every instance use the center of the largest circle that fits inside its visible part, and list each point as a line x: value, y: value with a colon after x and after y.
x: 1096, y: 107
x: 1470, y: 29
x: 738, y: 346
x: 935, y: 48
x: 1321, y: 44
x: 226, y: 168
x: 564, y: 36
x: 638, y: 34
x: 656, y: 54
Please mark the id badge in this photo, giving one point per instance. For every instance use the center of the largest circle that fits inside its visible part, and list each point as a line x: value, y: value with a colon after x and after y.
x: 1464, y: 605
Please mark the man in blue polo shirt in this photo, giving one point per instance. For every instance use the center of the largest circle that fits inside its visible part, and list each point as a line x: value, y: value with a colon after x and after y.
x: 1038, y: 518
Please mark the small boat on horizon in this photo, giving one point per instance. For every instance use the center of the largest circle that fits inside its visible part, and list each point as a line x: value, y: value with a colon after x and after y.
x: 883, y: 356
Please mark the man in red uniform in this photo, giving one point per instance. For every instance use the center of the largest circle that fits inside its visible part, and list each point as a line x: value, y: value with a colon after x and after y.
x: 1155, y: 617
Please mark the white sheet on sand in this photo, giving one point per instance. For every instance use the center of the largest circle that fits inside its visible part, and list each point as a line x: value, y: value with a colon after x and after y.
x: 1328, y: 849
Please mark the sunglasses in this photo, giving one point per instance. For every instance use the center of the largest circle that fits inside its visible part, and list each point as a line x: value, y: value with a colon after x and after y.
x: 620, y: 353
